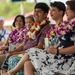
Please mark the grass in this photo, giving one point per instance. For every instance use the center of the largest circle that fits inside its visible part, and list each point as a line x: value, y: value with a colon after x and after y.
x: 10, y: 9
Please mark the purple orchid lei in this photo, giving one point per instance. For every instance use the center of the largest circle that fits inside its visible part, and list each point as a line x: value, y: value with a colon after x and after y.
x: 62, y: 29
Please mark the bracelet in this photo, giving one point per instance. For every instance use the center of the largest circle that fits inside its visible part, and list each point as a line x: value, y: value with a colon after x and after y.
x: 57, y: 51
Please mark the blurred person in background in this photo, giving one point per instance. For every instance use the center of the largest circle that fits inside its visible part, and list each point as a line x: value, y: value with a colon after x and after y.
x: 3, y: 32
x: 29, y: 20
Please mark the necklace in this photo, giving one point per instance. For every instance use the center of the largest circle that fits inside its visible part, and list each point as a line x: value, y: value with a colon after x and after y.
x: 36, y: 28
x: 61, y: 30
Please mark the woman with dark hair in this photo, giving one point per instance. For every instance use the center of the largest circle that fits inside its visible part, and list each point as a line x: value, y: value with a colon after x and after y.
x: 15, y: 38
x: 18, y: 34
x: 22, y: 17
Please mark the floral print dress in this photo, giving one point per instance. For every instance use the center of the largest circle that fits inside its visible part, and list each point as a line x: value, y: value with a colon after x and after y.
x: 16, y: 37
x: 48, y: 63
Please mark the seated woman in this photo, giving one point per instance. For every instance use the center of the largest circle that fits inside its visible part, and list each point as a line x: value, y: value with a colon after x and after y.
x: 56, y: 58
x: 16, y: 37
x: 35, y: 37
x: 29, y: 20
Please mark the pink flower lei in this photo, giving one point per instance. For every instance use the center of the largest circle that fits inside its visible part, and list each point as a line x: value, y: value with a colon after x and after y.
x: 62, y: 29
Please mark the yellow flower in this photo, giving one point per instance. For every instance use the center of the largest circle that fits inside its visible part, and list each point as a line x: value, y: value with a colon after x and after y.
x: 52, y: 33
x: 70, y: 27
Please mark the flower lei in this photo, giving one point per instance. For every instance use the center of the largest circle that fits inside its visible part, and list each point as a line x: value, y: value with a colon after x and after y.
x: 36, y: 28
x: 17, y: 36
x: 62, y: 29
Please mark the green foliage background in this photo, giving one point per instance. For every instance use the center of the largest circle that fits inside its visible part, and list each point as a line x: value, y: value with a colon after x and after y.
x: 10, y: 9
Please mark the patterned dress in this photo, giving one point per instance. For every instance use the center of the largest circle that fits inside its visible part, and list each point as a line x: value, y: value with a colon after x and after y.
x: 16, y: 37
x: 13, y: 62
x: 48, y: 63
x: 29, y: 44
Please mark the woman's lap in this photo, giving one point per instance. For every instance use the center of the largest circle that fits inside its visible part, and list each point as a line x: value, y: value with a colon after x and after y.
x: 45, y: 62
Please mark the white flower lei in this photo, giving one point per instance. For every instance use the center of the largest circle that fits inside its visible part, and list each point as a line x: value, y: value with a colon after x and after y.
x: 34, y: 29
